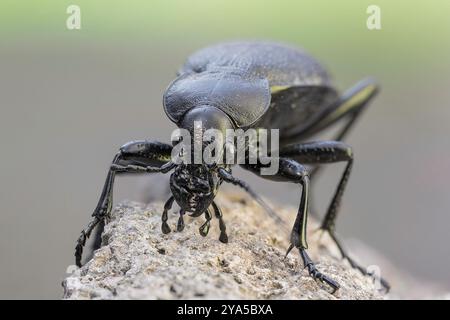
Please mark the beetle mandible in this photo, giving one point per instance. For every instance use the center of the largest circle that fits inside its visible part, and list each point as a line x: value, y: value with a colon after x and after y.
x: 248, y: 84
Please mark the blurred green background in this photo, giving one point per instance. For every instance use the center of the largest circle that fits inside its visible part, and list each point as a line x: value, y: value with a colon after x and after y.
x: 70, y: 98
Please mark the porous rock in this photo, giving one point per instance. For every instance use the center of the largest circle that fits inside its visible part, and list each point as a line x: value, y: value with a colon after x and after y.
x: 137, y: 261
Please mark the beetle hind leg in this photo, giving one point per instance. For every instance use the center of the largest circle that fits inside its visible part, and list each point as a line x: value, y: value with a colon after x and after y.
x: 298, y: 239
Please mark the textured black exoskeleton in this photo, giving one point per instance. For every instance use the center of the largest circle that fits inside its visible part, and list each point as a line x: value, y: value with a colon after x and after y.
x: 248, y: 85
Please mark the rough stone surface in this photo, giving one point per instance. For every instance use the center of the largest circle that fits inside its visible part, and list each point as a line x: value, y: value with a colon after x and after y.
x: 137, y: 261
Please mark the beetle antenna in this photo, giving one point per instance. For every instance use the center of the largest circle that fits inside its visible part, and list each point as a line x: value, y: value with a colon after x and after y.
x: 244, y: 185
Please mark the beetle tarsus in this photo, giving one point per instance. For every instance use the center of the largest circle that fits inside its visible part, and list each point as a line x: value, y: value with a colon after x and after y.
x: 315, y: 274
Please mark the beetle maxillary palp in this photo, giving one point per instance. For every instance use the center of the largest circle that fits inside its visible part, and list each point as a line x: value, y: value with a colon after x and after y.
x: 204, y: 229
x: 180, y: 224
x: 223, y: 229
x: 167, y: 206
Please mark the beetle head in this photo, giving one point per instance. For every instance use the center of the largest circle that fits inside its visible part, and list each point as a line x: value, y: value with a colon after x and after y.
x: 194, y: 187
x: 194, y: 184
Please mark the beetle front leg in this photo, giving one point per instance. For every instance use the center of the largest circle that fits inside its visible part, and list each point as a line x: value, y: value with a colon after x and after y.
x: 298, y: 237
x: 100, y: 213
x: 322, y: 152
x: 134, y: 157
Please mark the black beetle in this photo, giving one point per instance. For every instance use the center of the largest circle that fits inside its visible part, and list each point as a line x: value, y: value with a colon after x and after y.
x: 248, y: 85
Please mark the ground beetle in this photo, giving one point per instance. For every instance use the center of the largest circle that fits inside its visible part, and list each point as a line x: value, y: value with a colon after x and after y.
x: 248, y: 85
